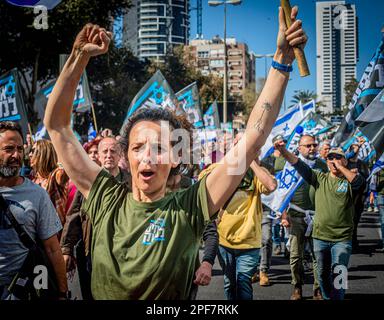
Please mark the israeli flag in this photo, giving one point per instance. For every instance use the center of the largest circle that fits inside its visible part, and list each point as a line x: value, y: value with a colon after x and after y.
x: 378, y: 166
x: 41, y: 133
x: 91, y: 132
x: 288, y: 180
x: 50, y: 4
x: 285, y: 124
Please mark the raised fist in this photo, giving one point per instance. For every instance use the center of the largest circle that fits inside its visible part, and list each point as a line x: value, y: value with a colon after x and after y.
x: 279, y: 145
x: 291, y: 37
x: 93, y: 40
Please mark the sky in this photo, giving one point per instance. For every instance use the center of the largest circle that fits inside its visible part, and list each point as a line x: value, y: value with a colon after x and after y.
x: 255, y: 22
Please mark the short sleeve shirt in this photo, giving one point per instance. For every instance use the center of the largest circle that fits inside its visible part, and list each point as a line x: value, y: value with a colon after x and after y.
x: 144, y: 250
x: 33, y: 209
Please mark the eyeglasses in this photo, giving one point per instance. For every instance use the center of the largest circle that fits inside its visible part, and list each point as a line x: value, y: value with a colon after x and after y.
x: 315, y: 145
x: 335, y: 156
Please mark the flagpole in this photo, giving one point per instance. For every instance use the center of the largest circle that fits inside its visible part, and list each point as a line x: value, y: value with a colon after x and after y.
x: 30, y: 131
x: 94, y: 117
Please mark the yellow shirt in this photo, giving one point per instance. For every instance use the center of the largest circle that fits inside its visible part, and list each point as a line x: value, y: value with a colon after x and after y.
x: 240, y: 225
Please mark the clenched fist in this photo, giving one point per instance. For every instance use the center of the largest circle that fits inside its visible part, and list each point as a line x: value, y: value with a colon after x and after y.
x: 93, y: 40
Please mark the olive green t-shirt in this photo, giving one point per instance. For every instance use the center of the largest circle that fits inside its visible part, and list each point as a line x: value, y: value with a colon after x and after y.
x: 304, y: 196
x: 144, y: 250
x: 333, y: 220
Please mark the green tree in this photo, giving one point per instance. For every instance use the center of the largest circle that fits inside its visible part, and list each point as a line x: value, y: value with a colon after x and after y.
x: 117, y: 77
x: 180, y: 72
x: 35, y: 53
x: 304, y: 96
x: 349, y: 90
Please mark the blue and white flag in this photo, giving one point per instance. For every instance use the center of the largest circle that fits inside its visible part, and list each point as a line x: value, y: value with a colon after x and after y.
x: 285, y: 124
x: 12, y: 106
x: 378, y: 166
x: 41, y: 133
x: 313, y: 124
x: 91, y: 132
x: 369, y: 87
x: 288, y: 180
x: 211, y: 117
x: 156, y: 93
x: 371, y: 123
x: 50, y: 4
x: 366, y: 151
x: 188, y: 99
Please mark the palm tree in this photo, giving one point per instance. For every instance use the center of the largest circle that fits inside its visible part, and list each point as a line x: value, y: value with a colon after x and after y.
x: 304, y: 96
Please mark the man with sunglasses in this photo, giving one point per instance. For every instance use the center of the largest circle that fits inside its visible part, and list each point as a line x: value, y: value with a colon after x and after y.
x: 302, y: 201
x: 333, y: 221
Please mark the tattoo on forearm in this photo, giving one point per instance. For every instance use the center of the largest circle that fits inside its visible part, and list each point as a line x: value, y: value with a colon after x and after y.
x: 259, y: 124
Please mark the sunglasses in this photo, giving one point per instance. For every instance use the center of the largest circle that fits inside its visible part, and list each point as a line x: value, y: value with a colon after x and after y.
x: 310, y: 145
x: 335, y: 156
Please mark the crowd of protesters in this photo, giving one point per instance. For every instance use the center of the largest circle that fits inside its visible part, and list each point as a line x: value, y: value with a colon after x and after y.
x: 131, y: 217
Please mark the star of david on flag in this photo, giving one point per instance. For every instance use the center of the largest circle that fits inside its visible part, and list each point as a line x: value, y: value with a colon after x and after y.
x: 288, y: 179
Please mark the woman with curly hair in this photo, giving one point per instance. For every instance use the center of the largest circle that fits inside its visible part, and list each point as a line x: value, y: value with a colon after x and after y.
x: 145, y: 242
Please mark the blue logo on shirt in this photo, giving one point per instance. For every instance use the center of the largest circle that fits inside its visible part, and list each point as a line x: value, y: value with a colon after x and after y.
x: 155, y: 232
x: 343, y: 187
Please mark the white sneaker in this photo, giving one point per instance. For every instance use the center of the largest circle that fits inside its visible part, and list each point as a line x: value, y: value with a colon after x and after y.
x: 376, y: 209
x: 370, y: 209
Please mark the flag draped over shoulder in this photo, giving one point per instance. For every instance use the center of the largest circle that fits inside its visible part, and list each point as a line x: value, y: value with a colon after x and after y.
x: 188, y: 99
x: 211, y: 117
x: 371, y: 123
x: 50, y: 4
x: 12, y: 106
x: 285, y: 124
x: 369, y: 87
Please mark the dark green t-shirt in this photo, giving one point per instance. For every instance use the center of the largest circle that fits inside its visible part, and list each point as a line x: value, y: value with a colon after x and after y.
x: 304, y: 196
x: 144, y: 250
x: 333, y: 220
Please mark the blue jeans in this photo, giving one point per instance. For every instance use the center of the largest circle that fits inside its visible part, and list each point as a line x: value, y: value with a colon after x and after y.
x: 330, y: 256
x: 239, y: 265
x: 266, y: 243
x: 380, y: 204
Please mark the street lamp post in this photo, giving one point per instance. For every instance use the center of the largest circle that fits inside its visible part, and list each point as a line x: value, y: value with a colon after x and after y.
x: 225, y: 84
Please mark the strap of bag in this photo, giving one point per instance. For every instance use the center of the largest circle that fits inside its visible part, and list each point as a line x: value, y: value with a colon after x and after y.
x: 23, y: 235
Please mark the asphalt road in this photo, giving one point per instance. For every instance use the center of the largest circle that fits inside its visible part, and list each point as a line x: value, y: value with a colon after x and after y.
x: 365, y: 276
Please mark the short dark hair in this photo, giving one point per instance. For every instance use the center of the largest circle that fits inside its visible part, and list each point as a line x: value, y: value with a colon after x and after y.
x: 12, y: 126
x: 159, y: 114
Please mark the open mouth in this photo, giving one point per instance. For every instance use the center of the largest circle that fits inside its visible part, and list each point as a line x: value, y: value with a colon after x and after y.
x: 147, y: 174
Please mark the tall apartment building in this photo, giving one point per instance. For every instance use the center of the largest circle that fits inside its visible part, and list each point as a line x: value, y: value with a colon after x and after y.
x: 337, y: 51
x: 208, y: 56
x: 151, y: 28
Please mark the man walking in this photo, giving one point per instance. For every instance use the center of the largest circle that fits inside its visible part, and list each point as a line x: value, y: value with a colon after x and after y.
x: 333, y: 221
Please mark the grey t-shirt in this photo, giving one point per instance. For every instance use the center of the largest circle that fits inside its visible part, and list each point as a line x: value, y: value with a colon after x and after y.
x: 32, y: 208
